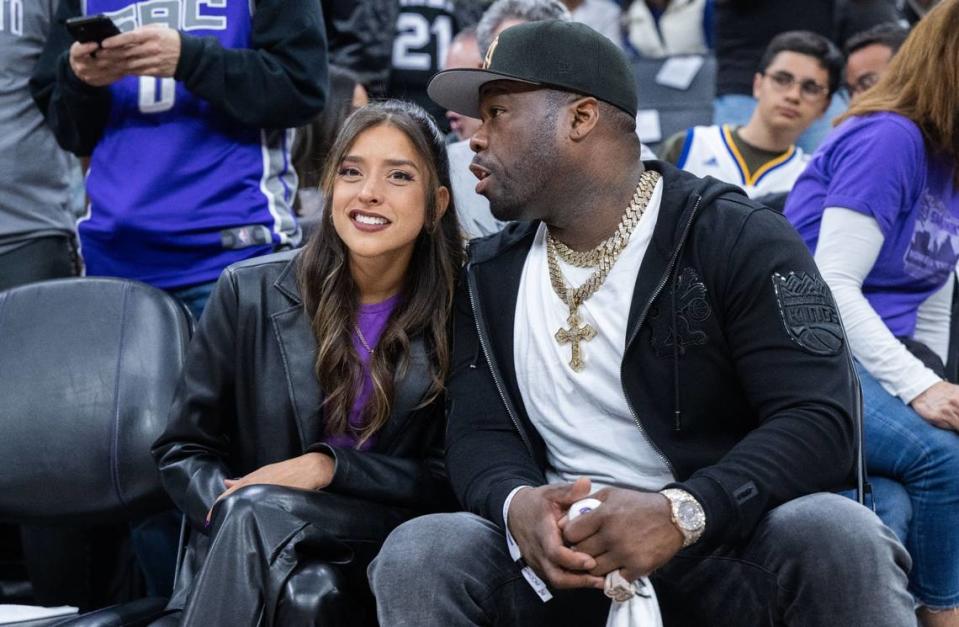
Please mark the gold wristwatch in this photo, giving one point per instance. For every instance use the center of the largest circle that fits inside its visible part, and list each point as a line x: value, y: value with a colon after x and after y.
x: 686, y: 513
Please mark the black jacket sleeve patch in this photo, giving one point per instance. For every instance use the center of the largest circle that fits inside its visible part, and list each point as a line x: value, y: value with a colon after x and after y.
x: 809, y: 313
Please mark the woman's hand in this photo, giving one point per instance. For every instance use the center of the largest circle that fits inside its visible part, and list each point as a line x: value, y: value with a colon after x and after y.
x: 939, y: 405
x: 312, y: 471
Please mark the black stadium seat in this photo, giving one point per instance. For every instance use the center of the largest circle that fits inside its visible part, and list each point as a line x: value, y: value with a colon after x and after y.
x: 87, y: 373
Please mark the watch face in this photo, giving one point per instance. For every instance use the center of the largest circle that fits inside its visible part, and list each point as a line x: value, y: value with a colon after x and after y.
x: 689, y: 516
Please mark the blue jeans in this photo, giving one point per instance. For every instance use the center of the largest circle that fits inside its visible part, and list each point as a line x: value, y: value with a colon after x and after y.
x: 891, y: 502
x: 736, y: 109
x: 194, y: 297
x: 925, y: 459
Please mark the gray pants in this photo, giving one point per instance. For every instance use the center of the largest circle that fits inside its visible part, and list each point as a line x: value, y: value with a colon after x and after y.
x: 42, y: 259
x: 818, y: 560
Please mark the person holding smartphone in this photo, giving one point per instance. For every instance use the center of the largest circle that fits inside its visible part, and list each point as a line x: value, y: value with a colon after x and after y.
x: 185, y: 116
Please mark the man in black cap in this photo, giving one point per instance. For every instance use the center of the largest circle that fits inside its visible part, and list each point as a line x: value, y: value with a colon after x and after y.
x: 649, y: 333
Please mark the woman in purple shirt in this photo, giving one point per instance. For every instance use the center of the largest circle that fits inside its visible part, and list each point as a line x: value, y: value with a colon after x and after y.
x: 310, y: 417
x: 879, y: 207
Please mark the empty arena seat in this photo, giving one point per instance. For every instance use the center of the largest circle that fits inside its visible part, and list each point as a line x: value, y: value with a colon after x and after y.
x: 87, y: 373
x: 88, y: 368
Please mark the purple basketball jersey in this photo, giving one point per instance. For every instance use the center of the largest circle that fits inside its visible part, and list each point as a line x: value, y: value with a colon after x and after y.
x: 177, y: 189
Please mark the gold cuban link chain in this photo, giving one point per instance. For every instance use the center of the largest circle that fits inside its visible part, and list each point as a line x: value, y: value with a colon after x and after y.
x: 601, y: 257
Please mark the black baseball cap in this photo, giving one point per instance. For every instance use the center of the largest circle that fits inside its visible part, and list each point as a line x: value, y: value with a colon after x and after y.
x: 554, y: 54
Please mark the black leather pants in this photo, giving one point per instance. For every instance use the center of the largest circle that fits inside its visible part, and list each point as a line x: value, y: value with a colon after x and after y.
x: 279, y: 556
x: 318, y: 594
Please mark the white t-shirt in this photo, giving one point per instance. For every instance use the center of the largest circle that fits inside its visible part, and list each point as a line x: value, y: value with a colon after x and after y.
x: 583, y: 417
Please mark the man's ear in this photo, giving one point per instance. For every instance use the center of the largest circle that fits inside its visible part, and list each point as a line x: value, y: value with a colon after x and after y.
x: 757, y: 83
x: 585, y: 117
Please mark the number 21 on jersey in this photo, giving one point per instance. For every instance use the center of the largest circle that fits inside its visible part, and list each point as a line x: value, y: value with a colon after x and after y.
x: 414, y: 35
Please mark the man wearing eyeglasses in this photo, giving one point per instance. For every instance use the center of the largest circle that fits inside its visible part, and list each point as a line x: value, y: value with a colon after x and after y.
x: 797, y: 76
x: 868, y: 55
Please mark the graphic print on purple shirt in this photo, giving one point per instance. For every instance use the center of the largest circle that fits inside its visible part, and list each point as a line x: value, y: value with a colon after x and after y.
x: 372, y: 321
x: 878, y: 165
x: 178, y: 191
x: 935, y: 239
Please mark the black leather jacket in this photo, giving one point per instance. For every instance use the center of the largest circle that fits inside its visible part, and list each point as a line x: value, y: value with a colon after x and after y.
x: 248, y: 397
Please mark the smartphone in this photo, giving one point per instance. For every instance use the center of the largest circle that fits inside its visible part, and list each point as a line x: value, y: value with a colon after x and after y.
x: 93, y: 28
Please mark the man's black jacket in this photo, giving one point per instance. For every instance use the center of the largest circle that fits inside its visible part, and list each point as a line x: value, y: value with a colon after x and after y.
x: 751, y: 407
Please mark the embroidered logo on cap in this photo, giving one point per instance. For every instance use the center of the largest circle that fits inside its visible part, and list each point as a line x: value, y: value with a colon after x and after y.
x: 488, y: 61
x: 809, y: 313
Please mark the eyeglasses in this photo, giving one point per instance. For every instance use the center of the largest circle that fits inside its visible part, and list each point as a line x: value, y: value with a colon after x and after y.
x: 862, y: 83
x: 810, y: 89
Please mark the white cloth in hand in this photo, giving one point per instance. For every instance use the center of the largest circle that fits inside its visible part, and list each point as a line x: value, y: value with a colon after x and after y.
x: 634, y: 604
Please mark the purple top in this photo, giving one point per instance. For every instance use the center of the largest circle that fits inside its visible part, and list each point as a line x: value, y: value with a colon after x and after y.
x: 372, y: 320
x: 878, y: 165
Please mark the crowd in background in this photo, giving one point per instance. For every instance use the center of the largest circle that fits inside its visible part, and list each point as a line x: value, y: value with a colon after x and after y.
x: 131, y: 165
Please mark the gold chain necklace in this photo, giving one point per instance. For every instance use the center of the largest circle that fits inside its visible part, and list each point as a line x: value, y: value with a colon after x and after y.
x: 359, y: 335
x: 585, y: 259
x: 606, y: 254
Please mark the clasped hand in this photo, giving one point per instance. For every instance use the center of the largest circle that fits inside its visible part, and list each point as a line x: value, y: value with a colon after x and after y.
x: 312, y: 471
x: 631, y: 532
x: 146, y: 51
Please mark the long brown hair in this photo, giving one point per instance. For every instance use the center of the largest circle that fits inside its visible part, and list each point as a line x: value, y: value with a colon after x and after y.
x: 922, y: 81
x: 331, y: 299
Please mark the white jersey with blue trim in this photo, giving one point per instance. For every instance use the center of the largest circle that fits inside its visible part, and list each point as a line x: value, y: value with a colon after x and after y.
x: 711, y: 151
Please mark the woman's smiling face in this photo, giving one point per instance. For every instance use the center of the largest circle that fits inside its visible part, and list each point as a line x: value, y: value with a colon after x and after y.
x: 380, y: 194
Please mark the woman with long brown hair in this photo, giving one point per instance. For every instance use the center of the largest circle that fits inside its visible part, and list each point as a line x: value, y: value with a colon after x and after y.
x: 309, y: 420
x: 879, y: 206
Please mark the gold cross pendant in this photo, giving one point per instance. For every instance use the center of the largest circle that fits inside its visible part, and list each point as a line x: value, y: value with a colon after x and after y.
x: 574, y: 335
